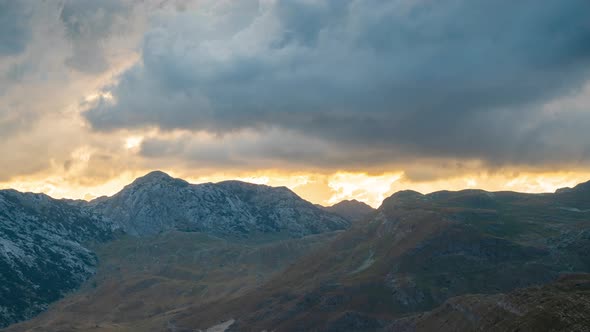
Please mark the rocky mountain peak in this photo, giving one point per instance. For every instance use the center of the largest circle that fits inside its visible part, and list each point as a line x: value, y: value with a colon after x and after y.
x: 157, y: 203
x: 352, y: 210
x: 155, y: 175
x: 350, y: 202
x: 157, y: 178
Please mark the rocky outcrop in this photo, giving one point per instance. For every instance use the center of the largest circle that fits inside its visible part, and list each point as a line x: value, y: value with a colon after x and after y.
x: 42, y: 251
x: 157, y: 203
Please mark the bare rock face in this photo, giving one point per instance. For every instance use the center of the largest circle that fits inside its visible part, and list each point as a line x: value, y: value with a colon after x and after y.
x: 42, y: 255
x: 157, y: 202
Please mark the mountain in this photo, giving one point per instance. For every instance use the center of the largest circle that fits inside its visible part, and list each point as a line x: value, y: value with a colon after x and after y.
x: 462, y: 260
x: 46, y: 245
x: 417, y: 252
x: 560, y: 306
x: 157, y: 203
x: 42, y: 251
x: 352, y: 210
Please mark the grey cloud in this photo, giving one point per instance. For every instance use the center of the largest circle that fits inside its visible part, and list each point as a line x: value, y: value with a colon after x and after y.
x: 450, y: 79
x: 87, y: 24
x: 303, y: 22
x: 15, y: 31
x: 274, y: 148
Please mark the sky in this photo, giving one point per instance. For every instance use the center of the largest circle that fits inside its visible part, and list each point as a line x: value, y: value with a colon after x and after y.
x: 335, y: 99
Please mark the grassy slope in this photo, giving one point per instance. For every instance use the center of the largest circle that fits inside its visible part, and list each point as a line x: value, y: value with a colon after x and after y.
x: 560, y: 306
x: 142, y: 283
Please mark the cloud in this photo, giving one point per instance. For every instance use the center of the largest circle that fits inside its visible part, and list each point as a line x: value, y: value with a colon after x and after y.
x: 452, y: 79
x: 38, y: 38
x: 434, y: 90
x: 245, y: 150
x: 88, y: 24
x: 40, y: 124
x: 15, y: 32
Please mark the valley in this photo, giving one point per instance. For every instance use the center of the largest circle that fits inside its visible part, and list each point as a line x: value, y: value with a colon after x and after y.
x: 143, y: 283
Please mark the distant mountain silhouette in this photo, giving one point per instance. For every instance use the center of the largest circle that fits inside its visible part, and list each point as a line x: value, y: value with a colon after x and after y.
x: 352, y: 210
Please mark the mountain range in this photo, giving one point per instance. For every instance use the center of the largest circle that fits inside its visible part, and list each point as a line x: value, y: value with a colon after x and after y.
x: 157, y: 202
x: 166, y: 255
x: 44, y: 243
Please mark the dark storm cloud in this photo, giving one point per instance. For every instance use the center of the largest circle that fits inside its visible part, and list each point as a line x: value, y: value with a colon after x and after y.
x: 454, y: 79
x: 15, y: 31
x: 271, y: 149
x: 87, y: 24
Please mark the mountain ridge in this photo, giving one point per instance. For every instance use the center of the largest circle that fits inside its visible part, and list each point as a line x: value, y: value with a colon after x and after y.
x: 352, y: 210
x: 157, y: 202
x: 411, y: 255
x: 44, y: 241
x: 414, y: 254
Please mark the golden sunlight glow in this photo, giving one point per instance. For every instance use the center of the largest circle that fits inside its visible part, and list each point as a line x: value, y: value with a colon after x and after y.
x: 362, y: 187
x: 133, y: 142
x: 55, y: 187
x: 325, y: 189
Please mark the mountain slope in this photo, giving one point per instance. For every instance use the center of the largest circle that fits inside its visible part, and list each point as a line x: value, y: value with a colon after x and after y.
x: 352, y: 210
x: 43, y: 242
x: 42, y: 251
x: 157, y: 202
x: 417, y: 252
x: 413, y: 255
x: 560, y: 306
x: 142, y: 282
